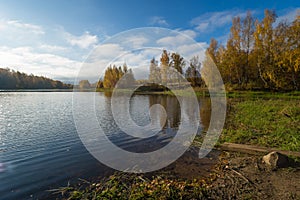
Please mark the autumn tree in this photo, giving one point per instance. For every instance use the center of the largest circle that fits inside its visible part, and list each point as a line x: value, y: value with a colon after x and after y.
x: 222, y: 58
x: 236, y: 51
x: 193, y: 72
x: 210, y: 64
x: 99, y: 84
x: 127, y: 80
x: 154, y: 75
x: 165, y: 62
x: 176, y: 66
x: 113, y: 74
x: 177, y: 62
x: 247, y: 42
x: 263, y: 48
x: 212, y: 49
x: 84, y: 84
x: 111, y: 77
x: 293, y: 55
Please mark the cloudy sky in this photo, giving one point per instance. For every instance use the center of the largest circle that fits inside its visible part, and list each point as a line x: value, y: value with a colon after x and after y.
x: 53, y: 38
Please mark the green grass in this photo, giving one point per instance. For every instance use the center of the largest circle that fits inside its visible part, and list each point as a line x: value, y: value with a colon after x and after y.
x: 204, y: 92
x: 265, y: 122
x: 263, y: 94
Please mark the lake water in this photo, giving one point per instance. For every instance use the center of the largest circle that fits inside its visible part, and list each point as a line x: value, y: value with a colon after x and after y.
x: 41, y: 150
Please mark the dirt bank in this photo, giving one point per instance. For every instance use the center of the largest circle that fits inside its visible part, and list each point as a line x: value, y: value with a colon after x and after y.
x: 244, y: 176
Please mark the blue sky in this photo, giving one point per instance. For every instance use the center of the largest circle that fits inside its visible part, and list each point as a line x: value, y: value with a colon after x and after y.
x: 52, y: 38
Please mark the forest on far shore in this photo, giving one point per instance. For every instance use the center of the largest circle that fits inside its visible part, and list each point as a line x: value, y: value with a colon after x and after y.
x: 10, y: 79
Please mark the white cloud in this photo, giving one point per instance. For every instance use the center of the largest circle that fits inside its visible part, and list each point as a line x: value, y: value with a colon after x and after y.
x: 159, y: 21
x: 288, y: 15
x: 15, y: 33
x: 84, y: 41
x: 56, y: 53
x: 26, y: 60
x: 222, y: 39
x: 193, y: 49
x: 202, y: 27
x: 139, y: 61
x: 212, y: 20
x: 114, y: 54
x: 106, y: 52
x: 52, y: 48
x: 189, y: 33
x: 121, y: 52
x: 175, y: 40
x: 45, y: 51
x: 25, y: 26
x: 135, y: 41
x: 172, y: 40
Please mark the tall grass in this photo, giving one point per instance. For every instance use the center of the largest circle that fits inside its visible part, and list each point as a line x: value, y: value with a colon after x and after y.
x: 266, y: 122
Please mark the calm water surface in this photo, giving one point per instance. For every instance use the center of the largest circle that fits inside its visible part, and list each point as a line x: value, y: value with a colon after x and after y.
x: 40, y: 149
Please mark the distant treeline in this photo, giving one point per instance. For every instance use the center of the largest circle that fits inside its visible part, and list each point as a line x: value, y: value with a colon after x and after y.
x: 260, y: 54
x: 10, y: 79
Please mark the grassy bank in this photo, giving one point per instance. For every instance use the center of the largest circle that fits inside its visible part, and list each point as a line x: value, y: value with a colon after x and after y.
x: 263, y: 95
x: 271, y: 122
x: 203, y: 92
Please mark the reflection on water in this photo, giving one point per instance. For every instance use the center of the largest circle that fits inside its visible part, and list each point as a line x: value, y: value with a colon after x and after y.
x: 172, y: 107
x: 139, y: 112
x: 106, y: 93
x: 205, y: 112
x: 40, y: 148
